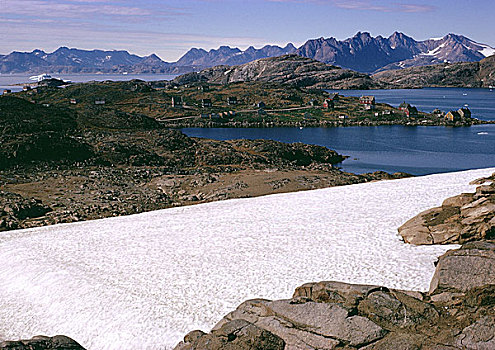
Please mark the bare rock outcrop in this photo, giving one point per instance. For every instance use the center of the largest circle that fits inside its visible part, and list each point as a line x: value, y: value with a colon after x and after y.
x: 460, y: 270
x: 58, y: 342
x: 463, y: 218
x: 458, y: 312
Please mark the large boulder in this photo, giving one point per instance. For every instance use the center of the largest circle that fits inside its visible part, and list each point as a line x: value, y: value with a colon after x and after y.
x: 463, y: 218
x: 473, y: 265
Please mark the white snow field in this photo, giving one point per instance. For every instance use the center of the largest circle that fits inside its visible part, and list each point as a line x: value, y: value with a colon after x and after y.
x: 144, y: 281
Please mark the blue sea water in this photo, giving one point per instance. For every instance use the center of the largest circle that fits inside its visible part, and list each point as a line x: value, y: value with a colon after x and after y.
x: 418, y: 150
x: 481, y: 102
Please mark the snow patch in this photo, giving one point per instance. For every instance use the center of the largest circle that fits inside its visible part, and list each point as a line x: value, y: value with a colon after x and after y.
x: 144, y: 281
x: 435, y: 51
x: 487, y: 50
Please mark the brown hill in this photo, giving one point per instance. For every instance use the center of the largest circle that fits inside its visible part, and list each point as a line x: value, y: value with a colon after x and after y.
x: 289, y: 69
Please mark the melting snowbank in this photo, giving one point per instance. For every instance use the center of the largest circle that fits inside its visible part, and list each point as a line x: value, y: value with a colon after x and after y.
x: 143, y: 281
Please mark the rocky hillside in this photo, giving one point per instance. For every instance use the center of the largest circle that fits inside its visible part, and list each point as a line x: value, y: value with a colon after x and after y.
x: 59, y: 164
x: 464, y: 74
x: 289, y: 69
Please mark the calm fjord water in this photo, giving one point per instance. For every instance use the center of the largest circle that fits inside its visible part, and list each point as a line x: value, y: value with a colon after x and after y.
x: 481, y: 102
x: 416, y: 150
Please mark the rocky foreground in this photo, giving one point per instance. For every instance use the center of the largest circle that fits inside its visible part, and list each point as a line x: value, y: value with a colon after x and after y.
x: 458, y: 311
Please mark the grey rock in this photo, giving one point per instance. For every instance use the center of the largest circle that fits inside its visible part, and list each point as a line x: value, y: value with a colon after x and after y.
x: 233, y: 335
x: 58, y: 342
x: 478, y: 336
x: 473, y: 265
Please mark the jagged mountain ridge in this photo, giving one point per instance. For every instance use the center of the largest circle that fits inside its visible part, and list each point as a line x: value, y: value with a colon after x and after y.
x: 69, y: 60
x: 363, y: 53
x: 368, y: 54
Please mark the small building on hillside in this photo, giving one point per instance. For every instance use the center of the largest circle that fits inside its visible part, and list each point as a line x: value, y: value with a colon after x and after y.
x: 26, y: 88
x: 176, y: 101
x: 335, y: 96
x: 465, y: 113
x: 261, y: 104
x: 452, y: 116
x: 328, y: 104
x: 100, y: 101
x: 367, y: 100
x: 409, y: 111
x: 206, y: 103
x: 73, y: 101
x: 231, y: 100
x: 7, y: 91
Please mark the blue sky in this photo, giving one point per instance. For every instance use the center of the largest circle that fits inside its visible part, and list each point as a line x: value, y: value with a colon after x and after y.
x: 170, y: 28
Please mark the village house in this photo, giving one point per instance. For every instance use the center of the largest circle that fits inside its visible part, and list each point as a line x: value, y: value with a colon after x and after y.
x: 7, y: 91
x: 343, y: 116
x: 368, y: 102
x: 176, y: 101
x: 231, y: 100
x: 73, y: 101
x: 465, y: 113
x: 26, y: 88
x: 328, y: 104
x: 452, y: 116
x: 408, y: 110
x: 206, y: 103
x: 100, y: 101
x: 261, y: 104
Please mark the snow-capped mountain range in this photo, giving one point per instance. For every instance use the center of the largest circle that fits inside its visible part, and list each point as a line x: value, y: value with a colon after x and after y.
x: 362, y: 53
